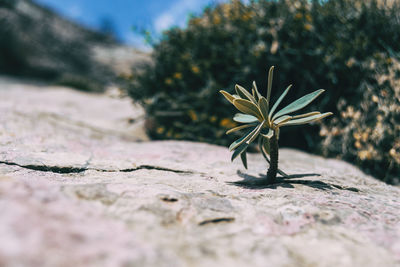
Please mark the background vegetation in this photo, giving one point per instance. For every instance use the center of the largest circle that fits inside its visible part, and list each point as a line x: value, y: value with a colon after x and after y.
x: 348, y: 47
x: 37, y: 43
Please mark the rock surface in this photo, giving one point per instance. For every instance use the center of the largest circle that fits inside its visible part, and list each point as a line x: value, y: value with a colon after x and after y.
x: 77, y: 190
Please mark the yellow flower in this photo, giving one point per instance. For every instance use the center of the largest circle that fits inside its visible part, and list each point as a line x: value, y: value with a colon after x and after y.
x: 178, y: 75
x: 308, y: 18
x: 364, y: 136
x: 169, y: 133
x: 216, y: 19
x: 227, y: 123
x: 246, y: 16
x: 195, y: 69
x: 298, y: 16
x: 357, y: 144
x: 213, y: 118
x: 177, y: 136
x: 274, y: 47
x: 364, y: 154
x: 307, y: 27
x: 192, y: 114
x: 168, y: 81
x: 160, y: 130
x: 357, y: 136
x: 350, y: 62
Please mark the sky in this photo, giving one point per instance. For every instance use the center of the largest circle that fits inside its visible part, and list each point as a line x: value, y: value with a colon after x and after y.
x: 124, y: 15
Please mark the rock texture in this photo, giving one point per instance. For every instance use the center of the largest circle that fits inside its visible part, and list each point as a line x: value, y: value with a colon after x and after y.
x: 76, y: 190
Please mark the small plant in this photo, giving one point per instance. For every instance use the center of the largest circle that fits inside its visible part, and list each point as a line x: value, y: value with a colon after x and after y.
x: 264, y: 122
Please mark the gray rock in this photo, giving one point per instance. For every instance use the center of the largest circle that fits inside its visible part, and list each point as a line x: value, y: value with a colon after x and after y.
x: 75, y: 190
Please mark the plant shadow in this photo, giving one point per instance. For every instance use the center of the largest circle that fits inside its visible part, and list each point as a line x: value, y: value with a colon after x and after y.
x: 252, y: 182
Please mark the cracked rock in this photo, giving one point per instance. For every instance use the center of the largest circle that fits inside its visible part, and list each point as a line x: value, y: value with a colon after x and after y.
x: 83, y: 194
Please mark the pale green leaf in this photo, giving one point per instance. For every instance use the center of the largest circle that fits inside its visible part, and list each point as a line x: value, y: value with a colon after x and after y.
x: 282, y: 119
x: 239, y: 128
x: 241, y: 140
x: 306, y: 115
x: 227, y: 95
x: 247, y: 107
x: 244, y: 159
x: 270, y: 77
x: 255, y: 133
x: 279, y: 101
x: 263, y: 105
x: 307, y: 119
x: 298, y: 104
x: 256, y: 94
x: 269, y: 134
x: 239, y: 150
x: 244, y: 118
x: 244, y: 94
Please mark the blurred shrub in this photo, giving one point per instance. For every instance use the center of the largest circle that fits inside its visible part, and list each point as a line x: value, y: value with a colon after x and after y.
x: 313, y: 44
x: 369, y: 133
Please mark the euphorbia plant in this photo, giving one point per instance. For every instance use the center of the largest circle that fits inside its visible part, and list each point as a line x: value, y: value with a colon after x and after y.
x: 264, y: 122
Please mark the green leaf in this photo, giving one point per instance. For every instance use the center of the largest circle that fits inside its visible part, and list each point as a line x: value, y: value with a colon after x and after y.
x: 270, y: 77
x: 279, y: 101
x: 298, y: 104
x: 255, y: 133
x: 263, y: 105
x: 227, y: 95
x: 307, y: 119
x: 239, y: 128
x: 244, y: 118
x: 247, y: 107
x: 239, y: 150
x: 269, y: 134
x: 256, y: 94
x: 282, y: 119
x: 244, y: 94
x: 241, y: 140
x: 244, y: 159
x: 306, y: 115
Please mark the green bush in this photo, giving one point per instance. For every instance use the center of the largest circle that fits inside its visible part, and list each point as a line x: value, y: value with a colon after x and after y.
x: 314, y: 44
x: 368, y: 134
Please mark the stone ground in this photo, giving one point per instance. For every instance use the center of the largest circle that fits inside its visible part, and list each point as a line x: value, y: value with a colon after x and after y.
x: 81, y: 186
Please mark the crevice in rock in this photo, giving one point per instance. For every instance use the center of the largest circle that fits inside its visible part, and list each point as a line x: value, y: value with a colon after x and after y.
x: 169, y: 199
x: 217, y: 220
x: 44, y: 168
x: 66, y: 170
x: 150, y: 167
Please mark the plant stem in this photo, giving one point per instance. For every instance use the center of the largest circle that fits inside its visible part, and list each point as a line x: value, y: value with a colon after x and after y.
x: 273, y: 166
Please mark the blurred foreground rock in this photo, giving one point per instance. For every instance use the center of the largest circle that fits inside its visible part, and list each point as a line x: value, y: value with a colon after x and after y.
x: 75, y: 190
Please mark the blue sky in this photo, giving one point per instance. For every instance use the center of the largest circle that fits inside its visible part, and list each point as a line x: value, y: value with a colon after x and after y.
x: 155, y: 15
